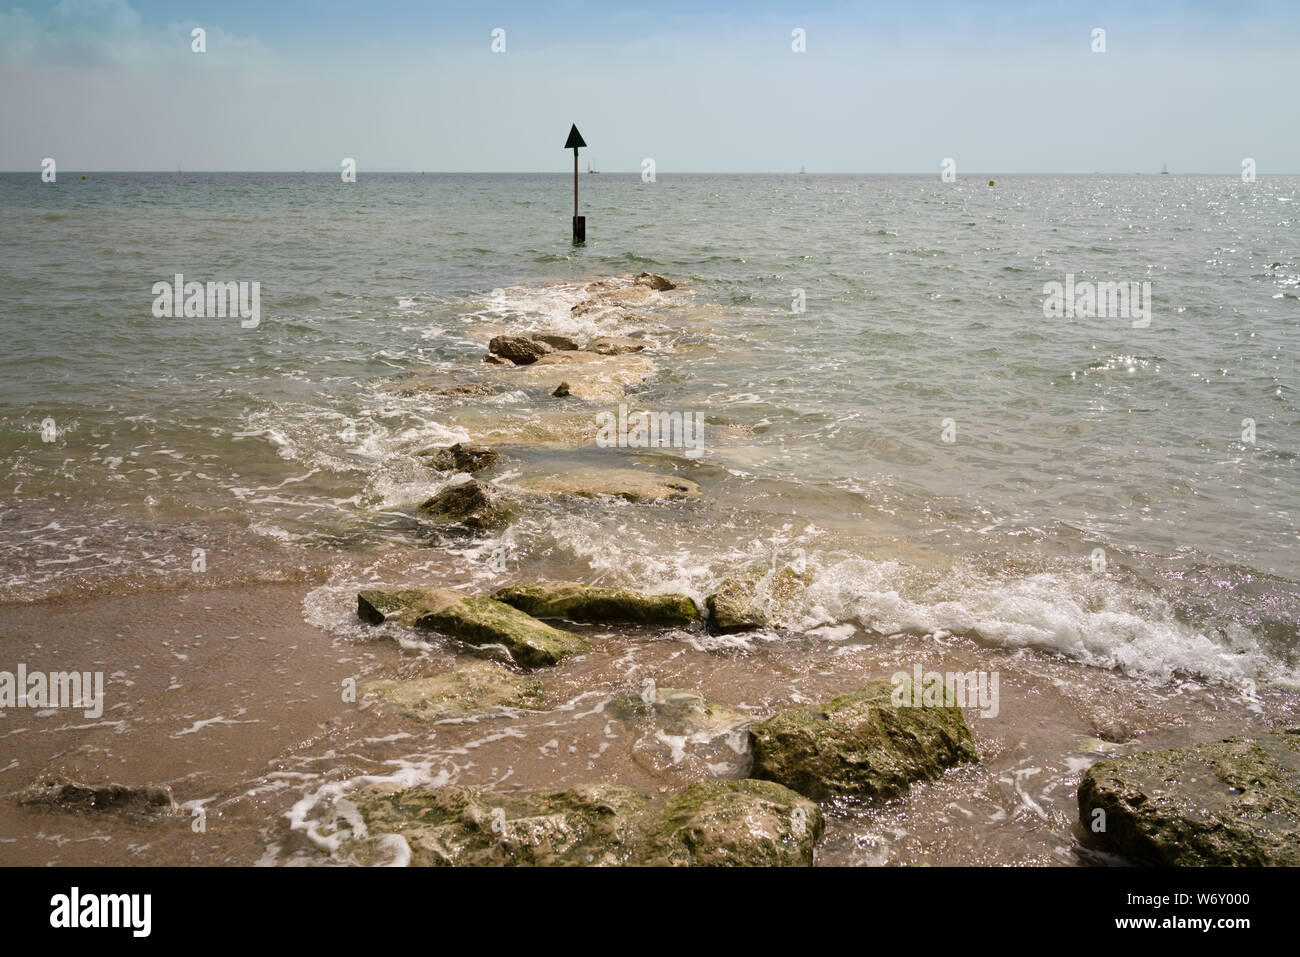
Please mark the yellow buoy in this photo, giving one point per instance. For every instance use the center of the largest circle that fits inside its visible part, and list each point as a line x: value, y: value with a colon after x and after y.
x: 83, y: 175
x: 990, y: 182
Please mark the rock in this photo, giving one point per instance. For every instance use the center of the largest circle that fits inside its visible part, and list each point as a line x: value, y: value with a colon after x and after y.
x: 557, y: 341
x: 461, y: 457
x: 614, y: 345
x: 679, y: 713
x: 472, y: 619
x: 468, y: 389
x: 471, y: 504
x: 579, y: 602
x: 518, y: 350
x: 492, y: 360
x: 628, y: 484
x: 589, y: 375
x: 561, y: 391
x: 683, y: 732
x: 758, y: 598
x: 1232, y: 803
x: 73, y: 795
x: 745, y: 823
x: 859, y: 745
x: 658, y: 283
x: 469, y: 689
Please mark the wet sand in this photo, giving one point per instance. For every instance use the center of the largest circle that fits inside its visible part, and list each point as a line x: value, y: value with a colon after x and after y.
x: 229, y: 698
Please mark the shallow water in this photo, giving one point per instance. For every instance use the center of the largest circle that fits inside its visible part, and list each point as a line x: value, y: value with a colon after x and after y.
x: 285, y: 453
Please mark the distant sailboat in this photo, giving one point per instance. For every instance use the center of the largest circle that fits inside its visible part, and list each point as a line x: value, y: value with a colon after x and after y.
x: 1164, y: 169
x: 590, y: 170
x: 801, y: 169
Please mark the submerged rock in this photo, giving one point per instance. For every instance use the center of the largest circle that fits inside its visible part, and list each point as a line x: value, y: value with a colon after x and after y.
x: 746, y: 823
x: 492, y: 360
x: 859, y: 744
x: 557, y: 340
x: 759, y: 598
x: 471, y: 504
x: 658, y: 283
x: 628, y: 484
x: 1229, y: 803
x: 682, y: 733
x: 471, y: 618
x: 614, y: 345
x: 461, y: 457
x: 562, y: 391
x: 579, y: 602
x: 518, y: 350
x: 471, y: 688
x: 590, y: 376
x: 76, y: 796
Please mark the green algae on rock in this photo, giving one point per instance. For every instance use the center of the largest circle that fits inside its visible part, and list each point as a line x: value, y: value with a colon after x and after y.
x: 860, y: 745
x: 471, y: 618
x: 758, y: 598
x: 472, y: 688
x: 746, y: 823
x: 590, y: 603
x: 1234, y: 802
x: 470, y: 504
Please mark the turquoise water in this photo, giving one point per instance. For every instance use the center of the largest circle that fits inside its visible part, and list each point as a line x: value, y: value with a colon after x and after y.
x: 924, y: 303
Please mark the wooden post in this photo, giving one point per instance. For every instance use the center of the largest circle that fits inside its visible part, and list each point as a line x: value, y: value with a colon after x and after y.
x: 574, y: 141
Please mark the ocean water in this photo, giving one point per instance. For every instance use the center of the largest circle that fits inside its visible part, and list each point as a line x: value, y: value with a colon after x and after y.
x: 923, y: 309
x: 1104, y: 512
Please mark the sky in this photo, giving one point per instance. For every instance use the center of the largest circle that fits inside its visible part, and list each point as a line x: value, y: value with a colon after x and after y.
x: 998, y: 87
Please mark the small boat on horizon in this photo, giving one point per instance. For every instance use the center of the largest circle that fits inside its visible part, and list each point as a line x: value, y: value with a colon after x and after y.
x: 590, y: 170
x: 1164, y: 169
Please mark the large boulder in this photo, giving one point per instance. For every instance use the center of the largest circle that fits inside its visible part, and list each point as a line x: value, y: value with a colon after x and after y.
x: 758, y: 598
x: 1229, y: 803
x: 629, y: 484
x: 461, y: 457
x: 471, y: 689
x: 469, y: 504
x: 745, y: 823
x: 579, y: 602
x: 517, y: 349
x: 860, y: 745
x: 472, y: 619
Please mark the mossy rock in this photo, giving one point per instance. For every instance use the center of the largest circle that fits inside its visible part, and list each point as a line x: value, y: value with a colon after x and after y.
x: 1228, y: 803
x: 471, y: 618
x: 859, y: 745
x: 59, y: 792
x: 758, y: 598
x: 470, y: 689
x: 578, y: 602
x: 468, y: 504
x: 754, y: 823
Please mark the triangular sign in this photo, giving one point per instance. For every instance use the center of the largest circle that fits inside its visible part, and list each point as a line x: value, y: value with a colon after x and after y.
x: 575, y: 139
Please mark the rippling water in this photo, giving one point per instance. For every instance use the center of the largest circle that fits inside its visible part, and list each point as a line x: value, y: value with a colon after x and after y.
x: 286, y: 445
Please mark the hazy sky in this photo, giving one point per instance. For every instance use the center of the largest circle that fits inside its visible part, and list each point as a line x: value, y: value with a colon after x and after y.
x: 698, y: 86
